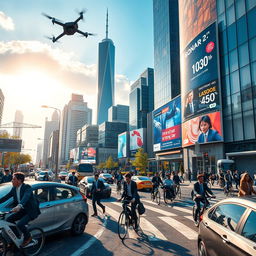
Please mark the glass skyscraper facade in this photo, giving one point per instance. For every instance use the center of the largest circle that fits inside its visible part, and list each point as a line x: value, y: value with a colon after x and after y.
x: 166, y: 51
x: 106, y: 77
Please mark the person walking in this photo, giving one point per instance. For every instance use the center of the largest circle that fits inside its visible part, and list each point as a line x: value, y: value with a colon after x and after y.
x: 72, y: 179
x: 7, y: 176
x: 246, y: 185
x: 236, y: 177
x: 96, y: 191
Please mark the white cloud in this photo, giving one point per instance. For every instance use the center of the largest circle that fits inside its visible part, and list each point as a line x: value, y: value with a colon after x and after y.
x: 6, y: 22
x: 122, y: 90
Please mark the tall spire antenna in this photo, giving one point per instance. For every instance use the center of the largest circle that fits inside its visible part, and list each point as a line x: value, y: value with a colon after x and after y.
x: 107, y: 25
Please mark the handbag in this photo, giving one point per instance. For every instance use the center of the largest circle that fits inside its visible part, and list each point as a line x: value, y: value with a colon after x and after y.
x: 141, y: 208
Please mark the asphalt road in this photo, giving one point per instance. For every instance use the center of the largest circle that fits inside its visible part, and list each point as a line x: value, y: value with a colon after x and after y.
x: 165, y: 230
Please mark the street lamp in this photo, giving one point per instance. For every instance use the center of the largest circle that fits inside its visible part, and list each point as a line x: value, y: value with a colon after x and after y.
x: 57, y: 146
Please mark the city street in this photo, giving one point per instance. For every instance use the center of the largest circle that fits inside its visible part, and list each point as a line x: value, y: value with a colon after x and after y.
x: 165, y: 229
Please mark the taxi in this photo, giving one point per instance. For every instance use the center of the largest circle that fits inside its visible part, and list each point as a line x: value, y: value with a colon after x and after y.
x: 143, y: 182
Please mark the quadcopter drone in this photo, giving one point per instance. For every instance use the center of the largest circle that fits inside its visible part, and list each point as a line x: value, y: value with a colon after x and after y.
x: 69, y: 28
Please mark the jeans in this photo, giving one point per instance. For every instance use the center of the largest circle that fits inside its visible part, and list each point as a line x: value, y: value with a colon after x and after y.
x: 23, y: 219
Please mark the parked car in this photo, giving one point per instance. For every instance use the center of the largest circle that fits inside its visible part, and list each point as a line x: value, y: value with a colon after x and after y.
x: 85, y: 186
x: 143, y: 182
x: 228, y: 228
x: 63, y: 175
x: 107, y: 177
x: 41, y: 175
x: 62, y: 207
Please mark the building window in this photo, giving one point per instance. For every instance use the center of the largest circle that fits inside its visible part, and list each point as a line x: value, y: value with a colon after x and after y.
x: 234, y: 82
x: 236, y: 103
x: 250, y: 4
x: 224, y: 65
x: 232, y: 44
x: 222, y: 22
x: 225, y: 86
x: 242, y: 34
x: 243, y: 54
x: 230, y: 15
x: 249, y: 128
x: 253, y: 72
x: 220, y: 6
x: 229, y: 3
x: 251, y: 16
x: 233, y: 60
x: 240, y: 8
x: 252, y: 46
x: 226, y: 106
x: 245, y: 77
x: 223, y: 42
x: 238, y: 124
x: 246, y: 96
x: 228, y: 129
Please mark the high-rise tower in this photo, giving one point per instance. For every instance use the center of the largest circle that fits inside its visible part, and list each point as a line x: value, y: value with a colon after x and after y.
x: 106, y: 77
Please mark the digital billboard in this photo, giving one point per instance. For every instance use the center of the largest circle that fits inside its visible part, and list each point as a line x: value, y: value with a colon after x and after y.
x: 122, y: 145
x: 10, y: 145
x: 167, y: 125
x: 136, y: 139
x: 200, y: 86
x: 202, y: 129
x: 87, y: 155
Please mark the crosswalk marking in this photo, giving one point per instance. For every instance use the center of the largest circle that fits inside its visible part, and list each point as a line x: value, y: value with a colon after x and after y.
x: 180, y: 227
x: 160, y: 211
x: 182, y: 209
x: 190, y: 217
x: 146, y: 226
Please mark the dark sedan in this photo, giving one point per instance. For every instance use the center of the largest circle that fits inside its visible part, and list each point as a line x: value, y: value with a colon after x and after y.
x: 107, y: 177
x: 85, y: 186
x: 228, y: 228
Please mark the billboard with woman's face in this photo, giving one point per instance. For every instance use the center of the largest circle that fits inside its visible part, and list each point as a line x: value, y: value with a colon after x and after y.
x: 202, y: 129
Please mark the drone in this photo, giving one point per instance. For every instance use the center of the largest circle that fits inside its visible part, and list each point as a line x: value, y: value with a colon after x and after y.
x: 69, y: 28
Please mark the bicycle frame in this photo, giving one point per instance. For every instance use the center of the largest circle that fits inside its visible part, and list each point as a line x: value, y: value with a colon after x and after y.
x: 6, y: 227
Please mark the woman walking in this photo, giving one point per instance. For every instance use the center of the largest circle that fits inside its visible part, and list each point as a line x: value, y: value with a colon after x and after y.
x: 246, y: 185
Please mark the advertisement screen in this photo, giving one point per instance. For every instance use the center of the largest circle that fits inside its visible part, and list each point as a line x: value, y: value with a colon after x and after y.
x: 202, y: 129
x: 200, y: 88
x: 167, y: 125
x: 122, y: 145
x: 88, y: 155
x: 74, y: 154
x: 136, y: 139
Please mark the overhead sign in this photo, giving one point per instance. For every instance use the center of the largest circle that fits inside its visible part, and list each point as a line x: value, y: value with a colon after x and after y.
x: 10, y: 145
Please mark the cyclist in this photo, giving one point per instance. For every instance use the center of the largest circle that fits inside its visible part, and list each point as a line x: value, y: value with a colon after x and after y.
x: 228, y: 179
x: 27, y: 207
x: 169, y: 186
x: 130, y: 193
x: 201, y: 191
x: 156, y: 180
x: 119, y: 180
x: 176, y: 179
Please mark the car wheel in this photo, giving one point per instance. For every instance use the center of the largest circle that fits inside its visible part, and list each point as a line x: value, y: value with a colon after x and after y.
x: 79, y: 224
x: 201, y: 249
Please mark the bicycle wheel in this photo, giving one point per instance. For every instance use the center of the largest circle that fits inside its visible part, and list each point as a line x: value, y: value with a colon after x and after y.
x: 178, y: 195
x: 167, y: 199
x: 123, y: 225
x: 158, y: 197
x: 37, y: 243
x: 196, y: 221
x: 3, y: 247
x: 138, y: 222
x: 152, y: 196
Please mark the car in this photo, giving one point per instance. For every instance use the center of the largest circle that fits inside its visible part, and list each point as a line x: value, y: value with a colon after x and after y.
x: 62, y: 207
x: 228, y: 228
x: 143, y: 182
x: 107, y: 177
x: 41, y: 175
x: 63, y: 175
x: 85, y: 186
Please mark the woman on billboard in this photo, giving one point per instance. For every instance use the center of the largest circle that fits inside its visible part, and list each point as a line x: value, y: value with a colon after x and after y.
x: 207, y: 133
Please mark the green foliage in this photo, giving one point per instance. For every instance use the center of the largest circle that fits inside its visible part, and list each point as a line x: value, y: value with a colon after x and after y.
x: 101, y: 166
x: 141, y: 160
x: 110, y: 164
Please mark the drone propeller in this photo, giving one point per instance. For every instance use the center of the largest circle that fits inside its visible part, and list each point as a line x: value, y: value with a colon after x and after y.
x: 81, y: 13
x: 51, y: 18
x: 53, y: 39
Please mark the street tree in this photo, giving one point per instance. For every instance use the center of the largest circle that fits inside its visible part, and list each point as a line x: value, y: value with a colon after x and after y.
x: 110, y: 164
x: 141, y: 160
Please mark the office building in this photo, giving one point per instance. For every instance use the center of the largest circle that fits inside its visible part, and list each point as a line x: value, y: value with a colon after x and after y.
x: 39, y: 154
x: 166, y: 51
x: 106, y: 77
x: 52, y: 150
x: 17, y: 132
x: 49, y: 127
x: 119, y: 113
x: 75, y: 115
x: 141, y: 99
x: 1, y: 105
x: 88, y: 136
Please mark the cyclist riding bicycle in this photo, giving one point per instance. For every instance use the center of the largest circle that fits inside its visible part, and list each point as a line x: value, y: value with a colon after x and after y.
x: 26, y: 205
x: 130, y: 193
x: 156, y: 180
x: 201, y: 191
x: 176, y: 178
x: 228, y: 179
x: 169, y: 186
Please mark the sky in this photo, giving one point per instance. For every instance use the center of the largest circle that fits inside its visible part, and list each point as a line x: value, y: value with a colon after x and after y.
x: 34, y: 71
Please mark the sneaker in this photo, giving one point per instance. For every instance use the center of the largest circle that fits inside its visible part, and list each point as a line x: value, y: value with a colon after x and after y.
x: 94, y: 215
x: 26, y: 242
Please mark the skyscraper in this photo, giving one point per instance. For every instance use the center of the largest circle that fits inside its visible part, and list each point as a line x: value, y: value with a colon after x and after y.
x: 1, y: 105
x: 75, y: 115
x: 118, y: 113
x: 166, y: 51
x: 106, y: 77
x: 17, y: 132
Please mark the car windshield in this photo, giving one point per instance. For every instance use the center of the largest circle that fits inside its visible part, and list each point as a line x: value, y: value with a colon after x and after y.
x: 143, y: 178
x: 63, y: 173
x: 91, y: 179
x: 107, y: 175
x: 85, y: 168
x: 43, y: 173
x: 4, y: 190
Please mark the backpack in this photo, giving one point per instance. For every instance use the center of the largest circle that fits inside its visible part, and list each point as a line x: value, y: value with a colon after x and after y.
x: 141, y: 208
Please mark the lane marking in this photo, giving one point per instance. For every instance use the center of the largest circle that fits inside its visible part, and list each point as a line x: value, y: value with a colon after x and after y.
x: 190, y: 217
x: 180, y: 227
x: 160, y: 211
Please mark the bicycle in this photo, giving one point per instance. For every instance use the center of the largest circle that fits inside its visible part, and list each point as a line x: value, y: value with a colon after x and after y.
x: 125, y: 220
x: 9, y: 239
x: 178, y: 191
x: 206, y: 205
x: 168, y: 196
x: 155, y: 195
x: 228, y: 192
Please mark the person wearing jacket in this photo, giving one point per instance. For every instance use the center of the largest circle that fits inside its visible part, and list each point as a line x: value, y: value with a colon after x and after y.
x: 246, y: 185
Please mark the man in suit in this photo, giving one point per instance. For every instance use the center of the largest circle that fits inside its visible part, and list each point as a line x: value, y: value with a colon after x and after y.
x: 72, y: 179
x: 96, y: 191
x: 26, y: 206
x: 130, y: 193
x: 7, y: 176
x: 191, y: 105
x: 201, y: 191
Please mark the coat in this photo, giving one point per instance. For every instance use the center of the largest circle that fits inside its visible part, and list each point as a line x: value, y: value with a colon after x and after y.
x: 246, y: 188
x: 134, y: 190
x: 212, y: 136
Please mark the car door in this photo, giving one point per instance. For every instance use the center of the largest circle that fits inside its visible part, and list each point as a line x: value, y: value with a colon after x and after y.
x: 46, y: 219
x: 219, y: 229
